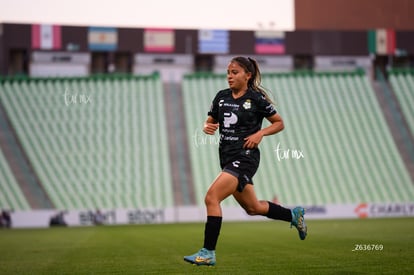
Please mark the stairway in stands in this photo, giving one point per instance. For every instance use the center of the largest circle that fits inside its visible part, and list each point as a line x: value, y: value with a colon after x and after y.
x: 395, y: 120
x: 20, y: 165
x: 178, y: 145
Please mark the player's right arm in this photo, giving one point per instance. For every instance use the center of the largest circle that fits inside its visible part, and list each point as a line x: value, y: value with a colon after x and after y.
x: 210, y: 126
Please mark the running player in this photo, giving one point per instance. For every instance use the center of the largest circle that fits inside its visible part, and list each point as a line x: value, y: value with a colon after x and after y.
x: 238, y: 113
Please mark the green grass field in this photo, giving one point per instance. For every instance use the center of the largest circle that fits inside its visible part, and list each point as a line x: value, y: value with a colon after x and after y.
x: 244, y: 248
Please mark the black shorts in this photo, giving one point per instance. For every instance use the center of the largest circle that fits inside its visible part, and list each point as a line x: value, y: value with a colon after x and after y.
x: 243, y: 167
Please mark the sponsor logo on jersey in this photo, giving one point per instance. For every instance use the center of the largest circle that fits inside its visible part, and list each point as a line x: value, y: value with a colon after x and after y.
x: 229, y: 118
x: 270, y: 108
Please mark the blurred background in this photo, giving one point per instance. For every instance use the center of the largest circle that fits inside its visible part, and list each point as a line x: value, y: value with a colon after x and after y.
x: 102, y: 106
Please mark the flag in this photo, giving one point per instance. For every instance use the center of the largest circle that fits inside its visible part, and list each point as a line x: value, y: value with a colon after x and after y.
x: 102, y: 39
x: 159, y: 40
x: 46, y: 37
x: 213, y: 41
x: 270, y: 42
x: 381, y: 41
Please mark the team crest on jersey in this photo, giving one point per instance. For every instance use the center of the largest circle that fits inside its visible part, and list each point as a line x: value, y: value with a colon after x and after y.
x: 247, y: 104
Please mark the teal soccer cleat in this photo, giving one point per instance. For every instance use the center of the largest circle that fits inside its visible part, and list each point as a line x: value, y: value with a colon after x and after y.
x: 202, y: 257
x: 298, y: 220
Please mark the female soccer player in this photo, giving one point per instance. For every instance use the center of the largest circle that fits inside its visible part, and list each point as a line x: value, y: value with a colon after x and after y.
x: 238, y: 113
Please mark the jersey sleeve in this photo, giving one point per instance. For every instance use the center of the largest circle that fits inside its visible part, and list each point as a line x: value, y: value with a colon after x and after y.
x: 265, y: 107
x: 214, y: 108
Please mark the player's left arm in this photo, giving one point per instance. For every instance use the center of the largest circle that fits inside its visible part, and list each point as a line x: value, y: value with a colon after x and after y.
x: 276, y: 125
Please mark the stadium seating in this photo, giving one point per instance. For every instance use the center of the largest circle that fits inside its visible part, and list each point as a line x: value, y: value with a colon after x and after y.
x: 11, y: 197
x: 336, y: 146
x: 94, y: 142
x: 402, y: 82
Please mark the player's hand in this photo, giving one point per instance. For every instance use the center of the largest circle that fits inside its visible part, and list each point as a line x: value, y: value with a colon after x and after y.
x: 210, y: 128
x: 253, y: 141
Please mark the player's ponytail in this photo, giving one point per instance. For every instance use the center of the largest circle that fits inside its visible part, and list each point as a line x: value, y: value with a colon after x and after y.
x: 250, y: 65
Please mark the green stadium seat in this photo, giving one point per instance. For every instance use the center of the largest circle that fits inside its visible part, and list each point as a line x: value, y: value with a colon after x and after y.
x: 402, y: 83
x: 11, y: 196
x: 108, y: 149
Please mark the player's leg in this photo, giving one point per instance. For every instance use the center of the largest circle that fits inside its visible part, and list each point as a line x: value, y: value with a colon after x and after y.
x: 222, y: 187
x: 248, y: 200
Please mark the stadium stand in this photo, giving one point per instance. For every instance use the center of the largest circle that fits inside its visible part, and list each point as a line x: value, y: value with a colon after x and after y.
x: 11, y: 197
x: 94, y: 142
x: 336, y: 146
x: 402, y: 82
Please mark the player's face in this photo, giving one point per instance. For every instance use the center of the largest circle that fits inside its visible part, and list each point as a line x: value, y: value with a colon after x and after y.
x: 237, y: 77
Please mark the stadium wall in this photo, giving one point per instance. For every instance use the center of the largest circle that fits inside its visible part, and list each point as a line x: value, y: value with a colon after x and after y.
x: 17, y: 39
x: 353, y: 14
x: 42, y: 218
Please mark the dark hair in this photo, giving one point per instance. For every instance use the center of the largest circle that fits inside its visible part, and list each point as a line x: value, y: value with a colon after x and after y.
x: 250, y: 66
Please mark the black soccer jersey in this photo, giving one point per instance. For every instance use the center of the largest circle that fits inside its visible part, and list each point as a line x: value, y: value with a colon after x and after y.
x: 238, y: 119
